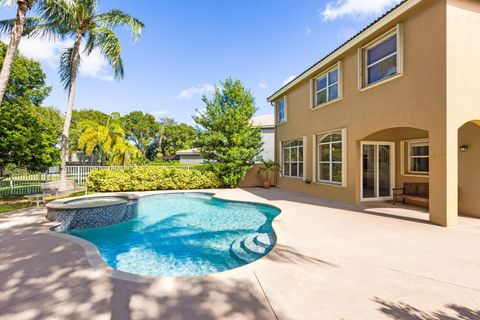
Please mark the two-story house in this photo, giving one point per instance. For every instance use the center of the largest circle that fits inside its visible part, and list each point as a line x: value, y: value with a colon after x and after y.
x: 398, y: 102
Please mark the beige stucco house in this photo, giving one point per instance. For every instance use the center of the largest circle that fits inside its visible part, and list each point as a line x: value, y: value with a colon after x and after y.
x: 399, y: 102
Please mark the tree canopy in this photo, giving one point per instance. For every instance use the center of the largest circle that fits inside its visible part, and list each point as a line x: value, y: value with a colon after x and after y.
x: 225, y: 133
x: 29, y: 133
x: 141, y: 128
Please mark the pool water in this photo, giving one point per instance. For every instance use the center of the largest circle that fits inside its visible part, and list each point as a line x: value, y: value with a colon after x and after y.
x: 96, y: 200
x: 185, y: 234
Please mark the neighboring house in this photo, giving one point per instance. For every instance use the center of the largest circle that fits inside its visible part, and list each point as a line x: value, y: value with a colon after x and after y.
x: 190, y: 156
x: 399, y: 102
x: 78, y: 158
x: 267, y: 126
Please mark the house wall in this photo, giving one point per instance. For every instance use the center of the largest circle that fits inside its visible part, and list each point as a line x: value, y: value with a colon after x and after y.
x: 268, y: 140
x: 191, y: 159
x: 417, y: 99
x: 468, y: 169
x: 253, y: 179
x: 463, y: 105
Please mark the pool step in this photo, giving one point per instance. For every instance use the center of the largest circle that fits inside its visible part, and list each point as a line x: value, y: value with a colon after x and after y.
x: 251, y: 246
x: 264, y: 239
x: 238, y: 251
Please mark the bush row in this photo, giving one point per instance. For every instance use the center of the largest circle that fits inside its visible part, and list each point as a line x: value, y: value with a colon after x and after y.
x: 151, y: 178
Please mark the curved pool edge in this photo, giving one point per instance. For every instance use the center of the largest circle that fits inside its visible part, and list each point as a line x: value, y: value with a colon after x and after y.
x: 96, y: 261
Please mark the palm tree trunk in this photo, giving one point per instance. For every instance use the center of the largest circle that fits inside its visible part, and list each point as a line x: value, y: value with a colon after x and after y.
x: 13, y: 46
x: 69, y: 111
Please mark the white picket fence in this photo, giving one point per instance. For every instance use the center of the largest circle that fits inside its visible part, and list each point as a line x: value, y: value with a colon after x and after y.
x: 22, y: 183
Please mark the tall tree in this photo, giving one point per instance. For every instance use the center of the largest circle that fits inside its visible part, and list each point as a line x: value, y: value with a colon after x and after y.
x: 79, y: 19
x: 141, y: 128
x: 177, y: 137
x: 79, y: 119
x: 21, y: 25
x: 101, y: 138
x: 225, y: 133
x: 29, y: 134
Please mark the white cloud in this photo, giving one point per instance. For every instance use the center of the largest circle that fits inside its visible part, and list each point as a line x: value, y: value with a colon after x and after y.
x: 199, y: 90
x: 94, y: 65
x: 287, y: 80
x: 48, y: 53
x: 308, y: 30
x: 262, y: 85
x: 355, y: 8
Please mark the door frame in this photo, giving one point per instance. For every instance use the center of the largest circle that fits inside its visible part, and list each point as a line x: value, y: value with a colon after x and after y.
x: 392, y: 169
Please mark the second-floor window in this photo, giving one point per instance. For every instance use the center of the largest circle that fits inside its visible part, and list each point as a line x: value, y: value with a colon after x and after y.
x: 281, y: 112
x: 326, y: 87
x: 381, y: 59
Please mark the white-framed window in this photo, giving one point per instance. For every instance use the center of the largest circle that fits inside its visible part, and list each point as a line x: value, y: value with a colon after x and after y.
x: 382, y: 59
x: 281, y: 111
x: 293, y: 158
x: 418, y: 157
x: 330, y: 157
x: 327, y: 87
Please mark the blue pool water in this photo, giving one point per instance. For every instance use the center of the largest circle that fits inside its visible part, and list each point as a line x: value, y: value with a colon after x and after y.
x: 185, y: 234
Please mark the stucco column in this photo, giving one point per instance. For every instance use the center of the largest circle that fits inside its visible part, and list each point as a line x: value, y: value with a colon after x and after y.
x: 443, y: 179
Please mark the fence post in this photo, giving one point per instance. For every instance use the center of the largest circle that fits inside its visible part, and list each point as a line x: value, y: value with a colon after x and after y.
x: 11, y: 183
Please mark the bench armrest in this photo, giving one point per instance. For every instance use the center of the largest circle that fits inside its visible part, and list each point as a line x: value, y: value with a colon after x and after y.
x: 397, y: 191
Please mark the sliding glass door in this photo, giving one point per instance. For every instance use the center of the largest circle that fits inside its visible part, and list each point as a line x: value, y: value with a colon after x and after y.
x: 377, y: 172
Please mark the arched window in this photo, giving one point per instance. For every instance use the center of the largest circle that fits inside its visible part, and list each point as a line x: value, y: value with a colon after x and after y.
x: 330, y: 158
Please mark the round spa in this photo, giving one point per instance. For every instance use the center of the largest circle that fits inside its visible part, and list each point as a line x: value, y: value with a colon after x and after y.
x: 92, y: 211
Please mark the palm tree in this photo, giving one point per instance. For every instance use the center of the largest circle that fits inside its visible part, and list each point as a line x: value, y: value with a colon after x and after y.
x: 79, y: 19
x: 16, y: 28
x: 267, y: 167
x: 101, y: 138
x: 125, y: 154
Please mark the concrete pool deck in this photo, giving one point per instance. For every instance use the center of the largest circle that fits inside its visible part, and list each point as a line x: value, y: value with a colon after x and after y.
x: 334, y: 262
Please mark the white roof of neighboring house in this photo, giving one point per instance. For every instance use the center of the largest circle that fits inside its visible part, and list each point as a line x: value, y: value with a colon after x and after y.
x: 193, y: 151
x: 264, y: 121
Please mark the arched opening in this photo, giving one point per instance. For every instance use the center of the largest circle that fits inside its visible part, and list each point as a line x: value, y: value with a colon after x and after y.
x: 392, y: 159
x: 469, y: 169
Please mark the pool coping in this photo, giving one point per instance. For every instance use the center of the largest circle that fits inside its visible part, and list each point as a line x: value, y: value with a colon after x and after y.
x: 63, y: 203
x: 95, y: 259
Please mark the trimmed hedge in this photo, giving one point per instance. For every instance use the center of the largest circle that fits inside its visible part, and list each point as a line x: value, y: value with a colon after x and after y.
x: 151, y: 178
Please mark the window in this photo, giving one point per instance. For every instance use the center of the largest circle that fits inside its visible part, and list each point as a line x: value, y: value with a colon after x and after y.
x: 382, y: 59
x: 293, y: 159
x: 281, y: 111
x: 326, y: 87
x: 418, y: 152
x: 330, y: 158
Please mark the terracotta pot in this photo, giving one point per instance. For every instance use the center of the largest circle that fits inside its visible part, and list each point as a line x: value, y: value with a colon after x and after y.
x: 267, y: 184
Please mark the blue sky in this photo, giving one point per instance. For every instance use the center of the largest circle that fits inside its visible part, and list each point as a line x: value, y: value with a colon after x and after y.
x: 188, y: 46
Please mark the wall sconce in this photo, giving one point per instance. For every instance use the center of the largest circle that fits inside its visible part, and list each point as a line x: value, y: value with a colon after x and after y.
x: 463, y: 148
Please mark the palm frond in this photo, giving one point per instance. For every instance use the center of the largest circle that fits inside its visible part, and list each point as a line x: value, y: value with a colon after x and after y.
x: 107, y: 42
x: 117, y: 18
x: 7, y: 25
x: 58, y: 13
x: 66, y: 67
x: 8, y: 3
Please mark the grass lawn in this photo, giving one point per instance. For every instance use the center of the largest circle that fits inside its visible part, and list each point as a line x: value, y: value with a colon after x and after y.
x: 11, y: 204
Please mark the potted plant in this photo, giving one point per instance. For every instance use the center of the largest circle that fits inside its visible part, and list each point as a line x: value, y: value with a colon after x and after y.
x: 267, y: 167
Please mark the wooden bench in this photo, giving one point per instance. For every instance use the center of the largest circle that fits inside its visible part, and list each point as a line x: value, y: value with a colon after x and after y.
x: 415, y: 191
x: 55, y: 188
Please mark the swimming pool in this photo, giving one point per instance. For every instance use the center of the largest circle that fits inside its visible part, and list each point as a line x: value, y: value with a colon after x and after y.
x: 185, y: 234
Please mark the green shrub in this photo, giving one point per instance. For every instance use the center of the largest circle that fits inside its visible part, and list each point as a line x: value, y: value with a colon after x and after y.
x: 151, y: 178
